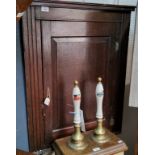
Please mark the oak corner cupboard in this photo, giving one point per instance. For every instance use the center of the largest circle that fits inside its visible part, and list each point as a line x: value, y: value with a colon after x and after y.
x: 64, y: 41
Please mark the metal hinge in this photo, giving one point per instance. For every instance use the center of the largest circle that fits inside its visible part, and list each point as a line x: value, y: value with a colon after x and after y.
x: 116, y: 46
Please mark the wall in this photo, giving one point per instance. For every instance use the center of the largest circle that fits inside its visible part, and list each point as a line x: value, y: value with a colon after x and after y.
x: 21, y: 124
x: 130, y: 124
x: 130, y: 114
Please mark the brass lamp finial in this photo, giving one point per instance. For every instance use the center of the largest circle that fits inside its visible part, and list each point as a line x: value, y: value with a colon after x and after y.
x: 76, y: 82
x: 99, y: 79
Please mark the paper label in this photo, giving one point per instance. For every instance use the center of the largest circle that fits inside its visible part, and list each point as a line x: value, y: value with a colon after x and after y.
x: 47, y: 101
x: 120, y: 141
x: 45, y: 9
x: 82, y: 124
x: 96, y: 149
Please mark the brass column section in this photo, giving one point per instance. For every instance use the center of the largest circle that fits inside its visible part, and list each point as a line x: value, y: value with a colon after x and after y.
x: 100, y: 135
x: 77, y: 141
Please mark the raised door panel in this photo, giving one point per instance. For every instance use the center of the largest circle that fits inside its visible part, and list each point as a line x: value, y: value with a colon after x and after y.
x: 77, y: 58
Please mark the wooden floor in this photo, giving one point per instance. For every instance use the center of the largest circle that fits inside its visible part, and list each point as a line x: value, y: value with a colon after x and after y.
x: 19, y: 152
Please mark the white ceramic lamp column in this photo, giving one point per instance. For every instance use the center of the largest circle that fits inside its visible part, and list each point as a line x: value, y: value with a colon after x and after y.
x: 100, y: 135
x: 77, y: 141
x: 99, y: 98
x: 76, y: 102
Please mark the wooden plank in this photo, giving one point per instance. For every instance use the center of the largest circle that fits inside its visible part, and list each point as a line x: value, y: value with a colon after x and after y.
x: 34, y: 90
x: 68, y: 14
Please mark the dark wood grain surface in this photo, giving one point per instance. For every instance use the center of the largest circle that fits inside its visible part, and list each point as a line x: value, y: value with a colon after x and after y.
x: 73, y: 41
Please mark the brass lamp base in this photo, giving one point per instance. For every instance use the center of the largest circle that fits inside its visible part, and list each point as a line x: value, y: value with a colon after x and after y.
x: 77, y: 146
x: 100, y: 135
x: 77, y: 141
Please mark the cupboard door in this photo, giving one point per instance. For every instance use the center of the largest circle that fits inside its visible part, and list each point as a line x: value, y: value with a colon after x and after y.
x: 79, y: 51
x: 70, y: 42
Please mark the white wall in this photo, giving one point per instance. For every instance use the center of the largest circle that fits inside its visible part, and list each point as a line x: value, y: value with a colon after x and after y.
x: 118, y: 2
x: 127, y: 2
